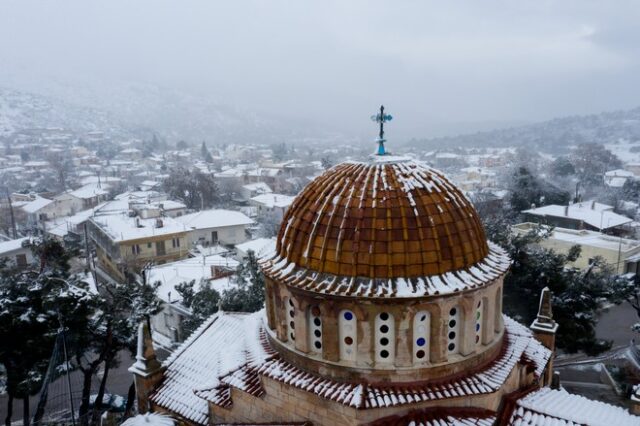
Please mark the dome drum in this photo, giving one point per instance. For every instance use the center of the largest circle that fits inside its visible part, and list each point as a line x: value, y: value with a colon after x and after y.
x: 391, y: 348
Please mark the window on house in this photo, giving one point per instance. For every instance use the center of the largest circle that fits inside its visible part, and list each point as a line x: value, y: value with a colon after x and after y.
x: 175, y: 242
x: 421, y: 336
x: 385, y: 338
x: 160, y: 249
x: 149, y: 245
x: 348, y: 333
x: 214, y: 237
x: 135, y: 249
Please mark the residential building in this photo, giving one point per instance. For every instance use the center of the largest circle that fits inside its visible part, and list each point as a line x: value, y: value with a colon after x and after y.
x: 216, y: 270
x: 125, y: 244
x: 584, y: 215
x: 17, y: 252
x: 210, y: 227
x: 274, y: 204
x: 617, y: 252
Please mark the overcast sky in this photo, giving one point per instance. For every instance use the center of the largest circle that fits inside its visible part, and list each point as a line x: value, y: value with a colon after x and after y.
x: 434, y: 64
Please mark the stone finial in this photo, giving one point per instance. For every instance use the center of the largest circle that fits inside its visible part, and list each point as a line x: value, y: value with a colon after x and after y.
x: 544, y: 321
x: 146, y: 361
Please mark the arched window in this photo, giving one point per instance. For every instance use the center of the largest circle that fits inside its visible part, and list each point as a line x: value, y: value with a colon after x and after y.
x: 479, y: 319
x: 385, y: 338
x: 348, y: 332
x: 314, y: 322
x: 453, y: 330
x: 421, y: 336
x: 290, y: 316
x: 498, y: 310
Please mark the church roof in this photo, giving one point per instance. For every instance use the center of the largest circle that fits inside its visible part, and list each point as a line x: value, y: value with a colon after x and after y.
x: 387, y: 219
x: 559, y: 407
x: 222, y: 344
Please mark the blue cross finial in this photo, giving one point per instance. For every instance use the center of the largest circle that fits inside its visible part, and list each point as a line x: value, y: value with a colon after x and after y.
x: 381, y: 118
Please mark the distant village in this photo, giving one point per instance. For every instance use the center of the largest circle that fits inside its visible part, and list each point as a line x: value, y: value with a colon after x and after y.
x: 111, y: 199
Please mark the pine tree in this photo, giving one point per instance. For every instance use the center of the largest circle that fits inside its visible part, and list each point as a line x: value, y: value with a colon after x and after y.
x: 205, y: 154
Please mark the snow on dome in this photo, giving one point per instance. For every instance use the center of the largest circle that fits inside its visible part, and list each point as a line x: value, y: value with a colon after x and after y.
x: 397, y: 220
x: 149, y: 419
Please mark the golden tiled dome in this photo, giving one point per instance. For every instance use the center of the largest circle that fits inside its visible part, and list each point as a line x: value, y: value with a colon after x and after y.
x: 385, y: 219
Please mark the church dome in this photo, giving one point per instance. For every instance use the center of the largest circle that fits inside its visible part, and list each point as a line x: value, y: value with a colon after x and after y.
x: 384, y: 219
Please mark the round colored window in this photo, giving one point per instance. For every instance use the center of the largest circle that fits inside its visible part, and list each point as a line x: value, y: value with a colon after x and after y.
x: 348, y: 316
x: 421, y: 341
x: 348, y: 340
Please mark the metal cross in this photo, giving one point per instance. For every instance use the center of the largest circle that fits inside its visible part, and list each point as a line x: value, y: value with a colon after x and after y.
x: 381, y: 118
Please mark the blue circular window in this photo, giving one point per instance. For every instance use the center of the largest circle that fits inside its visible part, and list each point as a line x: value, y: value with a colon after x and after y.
x: 421, y: 341
x: 477, y: 327
x: 348, y: 316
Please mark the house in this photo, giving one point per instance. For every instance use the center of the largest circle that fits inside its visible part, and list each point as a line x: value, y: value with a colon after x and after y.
x: 584, y: 215
x: 617, y: 178
x: 251, y: 190
x: 17, y: 252
x: 38, y: 210
x: 125, y: 244
x: 210, y: 227
x: 619, y: 253
x: 214, y: 269
x: 83, y: 198
x: 260, y: 247
x: 276, y: 204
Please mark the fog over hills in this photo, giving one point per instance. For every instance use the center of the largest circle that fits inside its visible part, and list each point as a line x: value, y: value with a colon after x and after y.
x: 142, y: 109
x: 554, y: 136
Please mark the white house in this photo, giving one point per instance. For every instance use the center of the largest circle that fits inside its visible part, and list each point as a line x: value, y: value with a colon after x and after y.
x: 18, y: 252
x: 254, y: 189
x: 216, y: 270
x: 276, y: 204
x: 210, y: 227
x: 260, y: 247
x: 617, y: 178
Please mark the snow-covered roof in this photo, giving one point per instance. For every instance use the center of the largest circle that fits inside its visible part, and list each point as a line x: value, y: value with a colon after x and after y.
x: 616, y: 182
x: 558, y: 407
x: 585, y: 237
x: 36, y: 204
x: 598, y: 215
x: 221, y: 345
x: 258, y: 186
x: 12, y: 245
x: 149, y: 419
x: 478, y: 275
x: 619, y: 173
x: 260, y: 246
x: 196, y: 268
x: 88, y: 191
x: 274, y: 200
x: 123, y: 228
x: 216, y: 218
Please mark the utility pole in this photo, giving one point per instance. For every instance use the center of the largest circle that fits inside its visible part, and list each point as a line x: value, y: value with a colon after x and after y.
x: 13, y: 219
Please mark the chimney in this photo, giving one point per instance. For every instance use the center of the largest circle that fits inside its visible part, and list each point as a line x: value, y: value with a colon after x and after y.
x: 544, y: 329
x: 159, y: 223
x: 593, y: 204
x: 566, y: 210
x: 138, y: 222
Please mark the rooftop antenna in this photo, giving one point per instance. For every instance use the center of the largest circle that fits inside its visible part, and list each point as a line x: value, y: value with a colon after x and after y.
x: 381, y: 118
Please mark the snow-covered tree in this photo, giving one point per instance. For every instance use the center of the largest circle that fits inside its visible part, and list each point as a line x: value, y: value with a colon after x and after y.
x: 525, y: 189
x: 591, y: 161
x: 196, y: 189
x: 577, y: 294
x: 205, y: 155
